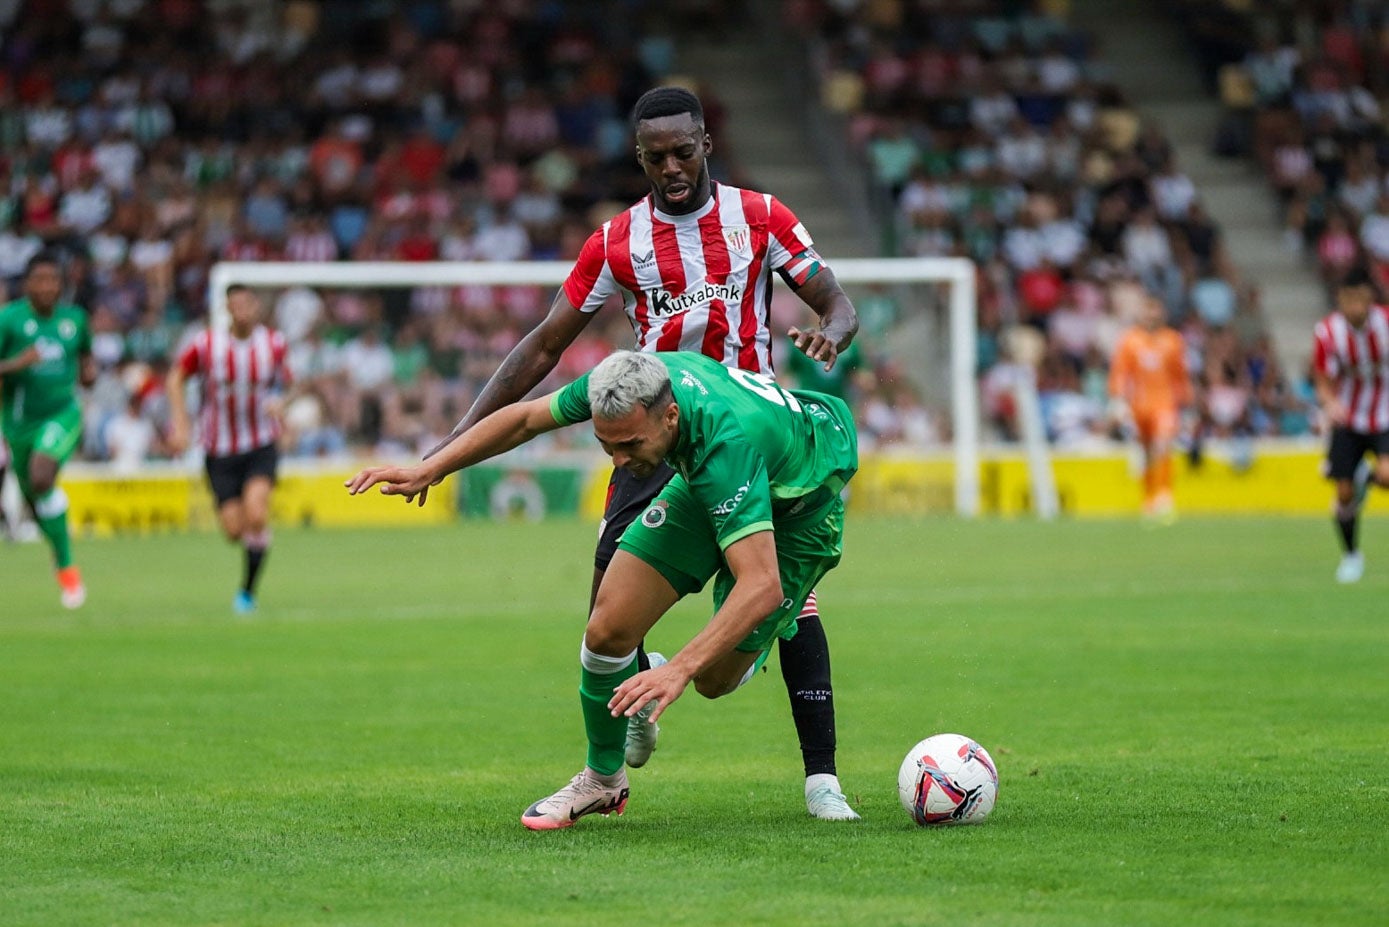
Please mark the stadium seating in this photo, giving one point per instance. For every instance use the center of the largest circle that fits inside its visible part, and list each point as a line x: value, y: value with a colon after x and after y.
x: 990, y: 131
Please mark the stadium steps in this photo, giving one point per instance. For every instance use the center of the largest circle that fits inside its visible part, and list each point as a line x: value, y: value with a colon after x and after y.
x: 774, y: 143
x: 1148, y: 57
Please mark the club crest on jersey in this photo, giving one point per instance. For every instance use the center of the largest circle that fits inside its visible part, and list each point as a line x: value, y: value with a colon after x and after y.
x: 30, y: 327
x: 66, y: 329
x: 738, y: 238
x: 655, y: 516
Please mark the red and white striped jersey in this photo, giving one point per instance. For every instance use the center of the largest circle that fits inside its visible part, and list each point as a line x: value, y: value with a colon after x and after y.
x: 697, y: 282
x: 238, y: 377
x: 1357, y: 361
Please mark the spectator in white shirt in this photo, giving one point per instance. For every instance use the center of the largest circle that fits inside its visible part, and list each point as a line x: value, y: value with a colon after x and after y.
x: 1020, y: 151
x: 48, y: 125
x: 1173, y: 192
x: 117, y: 157
x: 129, y: 437
x: 297, y: 311
x: 85, y: 207
x: 1374, y: 231
x: 993, y: 108
x: 502, y: 240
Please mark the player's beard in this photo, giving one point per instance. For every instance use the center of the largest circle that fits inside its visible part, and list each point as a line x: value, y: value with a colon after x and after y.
x: 694, y: 201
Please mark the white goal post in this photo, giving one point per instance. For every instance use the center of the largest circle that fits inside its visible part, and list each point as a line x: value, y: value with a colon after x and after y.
x: 957, y: 272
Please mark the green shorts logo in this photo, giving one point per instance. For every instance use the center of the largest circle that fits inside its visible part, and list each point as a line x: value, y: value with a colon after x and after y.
x: 655, y: 516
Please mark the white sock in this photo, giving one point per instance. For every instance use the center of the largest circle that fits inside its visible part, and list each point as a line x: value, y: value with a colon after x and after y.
x: 604, y: 665
x: 608, y: 781
x: 814, y: 782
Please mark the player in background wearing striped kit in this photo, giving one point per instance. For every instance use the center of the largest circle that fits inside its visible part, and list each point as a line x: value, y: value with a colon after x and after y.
x: 243, y: 376
x: 45, y: 352
x: 1350, y: 367
x: 692, y: 263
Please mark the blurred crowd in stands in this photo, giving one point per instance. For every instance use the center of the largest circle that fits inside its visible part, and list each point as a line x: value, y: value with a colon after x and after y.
x: 991, y: 131
x: 1302, y: 82
x: 147, y: 139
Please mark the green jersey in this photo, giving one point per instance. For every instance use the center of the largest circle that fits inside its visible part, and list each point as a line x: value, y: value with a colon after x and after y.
x: 755, y: 455
x: 49, y: 387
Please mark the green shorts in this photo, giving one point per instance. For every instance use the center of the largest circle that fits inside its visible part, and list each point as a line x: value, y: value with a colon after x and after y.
x: 56, y: 437
x: 675, y: 537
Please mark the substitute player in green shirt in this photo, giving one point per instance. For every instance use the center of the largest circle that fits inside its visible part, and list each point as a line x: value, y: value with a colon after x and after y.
x: 755, y: 505
x: 45, y: 351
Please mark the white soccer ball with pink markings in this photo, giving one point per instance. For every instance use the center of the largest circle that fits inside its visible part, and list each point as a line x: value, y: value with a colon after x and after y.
x: 948, y: 779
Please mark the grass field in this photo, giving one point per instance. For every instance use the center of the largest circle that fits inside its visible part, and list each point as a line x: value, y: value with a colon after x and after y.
x: 1191, y: 725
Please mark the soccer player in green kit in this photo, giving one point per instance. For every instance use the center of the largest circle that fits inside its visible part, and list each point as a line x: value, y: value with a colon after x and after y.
x: 755, y: 505
x: 45, y: 351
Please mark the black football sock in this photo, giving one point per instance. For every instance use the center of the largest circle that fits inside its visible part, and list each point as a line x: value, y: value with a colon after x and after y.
x: 805, y: 666
x: 1348, y: 527
x: 255, y: 557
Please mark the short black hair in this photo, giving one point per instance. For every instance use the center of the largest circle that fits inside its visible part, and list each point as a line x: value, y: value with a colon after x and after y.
x: 1356, y: 276
x: 667, y: 101
x: 234, y: 288
x: 43, y: 257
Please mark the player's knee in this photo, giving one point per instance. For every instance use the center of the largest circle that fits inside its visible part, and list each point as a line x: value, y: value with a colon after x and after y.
x: 609, y: 640
x: 41, y: 480
x: 1345, y: 492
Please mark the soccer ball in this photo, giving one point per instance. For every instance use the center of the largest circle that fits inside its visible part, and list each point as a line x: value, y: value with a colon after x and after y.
x: 947, y: 779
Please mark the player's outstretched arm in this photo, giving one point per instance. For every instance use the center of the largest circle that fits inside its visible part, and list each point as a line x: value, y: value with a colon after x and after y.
x: 26, y: 358
x: 178, y: 411
x: 756, y: 593
x: 1330, y: 402
x: 529, y: 362
x: 838, y: 319
x: 498, y: 433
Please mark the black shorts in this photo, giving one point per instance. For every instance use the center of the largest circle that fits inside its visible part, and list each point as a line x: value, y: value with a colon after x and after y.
x: 228, y: 475
x: 628, y: 497
x: 1348, y: 448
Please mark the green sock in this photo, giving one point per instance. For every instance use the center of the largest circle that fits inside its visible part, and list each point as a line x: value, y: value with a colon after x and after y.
x: 52, y: 512
x: 606, y: 735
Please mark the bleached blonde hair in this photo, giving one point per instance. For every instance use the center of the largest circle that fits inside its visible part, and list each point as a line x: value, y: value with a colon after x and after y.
x: 625, y: 380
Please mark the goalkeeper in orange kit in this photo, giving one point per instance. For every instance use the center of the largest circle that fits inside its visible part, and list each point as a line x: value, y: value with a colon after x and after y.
x: 1148, y: 388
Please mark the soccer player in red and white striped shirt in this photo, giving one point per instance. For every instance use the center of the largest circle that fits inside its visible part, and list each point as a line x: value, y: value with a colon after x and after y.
x: 692, y: 263
x: 1350, y: 366
x: 243, y: 374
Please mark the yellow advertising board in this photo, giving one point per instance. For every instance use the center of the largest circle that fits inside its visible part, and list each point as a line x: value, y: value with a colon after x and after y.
x: 103, y: 503
x: 1264, y: 479
x: 1268, y: 479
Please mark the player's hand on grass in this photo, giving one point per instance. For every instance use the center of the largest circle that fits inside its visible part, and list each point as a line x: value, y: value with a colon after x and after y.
x: 664, y: 683
x: 814, y: 345
x: 394, y: 481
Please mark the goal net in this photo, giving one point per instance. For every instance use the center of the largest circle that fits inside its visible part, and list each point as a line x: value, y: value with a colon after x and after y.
x: 919, y: 318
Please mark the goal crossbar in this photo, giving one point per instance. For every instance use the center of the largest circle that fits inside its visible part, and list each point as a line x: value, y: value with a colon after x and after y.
x: 957, y: 272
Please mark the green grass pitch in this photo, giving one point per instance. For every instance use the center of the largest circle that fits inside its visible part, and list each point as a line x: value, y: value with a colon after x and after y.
x: 1191, y: 726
